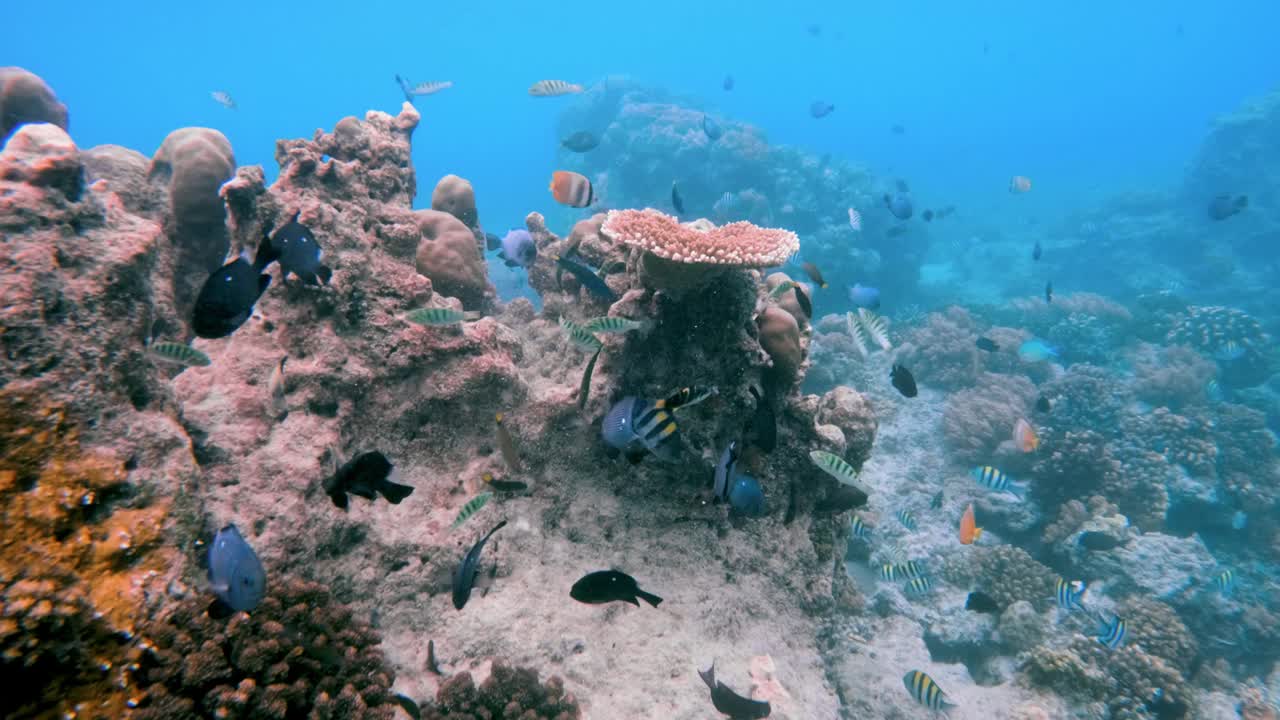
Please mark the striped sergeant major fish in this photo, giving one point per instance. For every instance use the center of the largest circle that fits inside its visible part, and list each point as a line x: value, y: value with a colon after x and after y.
x: 1112, y: 634
x: 859, y: 528
x: 919, y: 586
x: 1225, y: 581
x: 636, y: 427
x: 552, y: 88
x: 993, y: 479
x: 911, y: 569
x: 1070, y: 594
x: 925, y: 691
x: 907, y: 519
x: 888, y: 571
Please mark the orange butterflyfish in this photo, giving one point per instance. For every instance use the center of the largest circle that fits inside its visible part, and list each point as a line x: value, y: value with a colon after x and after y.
x: 1019, y: 184
x: 572, y: 189
x: 1024, y: 436
x: 969, y: 530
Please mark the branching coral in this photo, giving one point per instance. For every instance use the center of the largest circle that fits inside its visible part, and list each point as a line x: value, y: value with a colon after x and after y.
x: 507, y: 693
x: 1157, y: 629
x: 1171, y: 377
x: 1072, y: 465
x: 1082, y: 338
x: 1125, y: 677
x: 1211, y: 328
x: 1085, y: 397
x: 941, y: 353
x: 79, y: 557
x: 978, y: 419
x: 299, y: 654
x: 1246, y: 457
x: 1005, y: 572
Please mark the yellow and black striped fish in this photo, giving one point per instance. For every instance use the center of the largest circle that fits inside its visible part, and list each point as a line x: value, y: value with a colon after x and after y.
x: 907, y: 519
x: 926, y: 691
x: 859, y: 528
x: 920, y: 586
x: 888, y: 571
x: 1069, y: 594
x: 655, y: 426
x: 552, y: 88
x: 178, y: 353
x: 911, y: 569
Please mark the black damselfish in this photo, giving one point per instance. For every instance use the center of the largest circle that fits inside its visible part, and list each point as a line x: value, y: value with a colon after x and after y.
x: 294, y: 246
x: 903, y: 381
x: 588, y: 277
x: 606, y: 586
x: 365, y: 475
x: 227, y: 298
x: 762, y: 429
x: 982, y: 603
x: 1099, y: 541
x: 731, y: 703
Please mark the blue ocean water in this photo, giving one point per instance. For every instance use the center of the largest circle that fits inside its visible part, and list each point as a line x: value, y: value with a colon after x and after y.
x: 1085, y: 99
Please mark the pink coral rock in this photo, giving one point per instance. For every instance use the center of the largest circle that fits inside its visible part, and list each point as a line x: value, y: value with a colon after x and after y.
x: 454, y: 195
x: 738, y: 244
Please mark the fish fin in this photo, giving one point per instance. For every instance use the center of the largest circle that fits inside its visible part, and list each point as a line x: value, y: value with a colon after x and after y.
x: 264, y: 281
x: 650, y: 598
x: 266, y: 252
x: 395, y: 492
x: 409, y: 706
x: 324, y: 273
x: 709, y: 675
x: 633, y: 600
x: 219, y: 610
x: 339, y: 499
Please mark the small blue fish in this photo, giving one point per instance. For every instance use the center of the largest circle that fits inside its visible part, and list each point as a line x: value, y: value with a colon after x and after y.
x: 1112, y: 634
x: 518, y: 249
x: 1069, y: 595
x: 820, y: 109
x: 899, y: 204
x: 907, y: 519
x: 994, y: 479
x: 1035, y: 350
x: 711, y: 128
x: 235, y: 573
x: 867, y: 297
x: 746, y: 496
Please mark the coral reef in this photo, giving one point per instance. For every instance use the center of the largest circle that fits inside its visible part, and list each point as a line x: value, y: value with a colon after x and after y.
x: 508, y: 692
x: 1170, y: 377
x: 299, y: 654
x: 454, y: 195
x: 978, y: 420
x: 448, y: 256
x: 25, y: 98
x: 82, y: 556
x: 1007, y: 573
x: 941, y: 353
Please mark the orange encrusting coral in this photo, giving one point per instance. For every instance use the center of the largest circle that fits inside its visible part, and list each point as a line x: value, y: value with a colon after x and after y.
x: 74, y: 571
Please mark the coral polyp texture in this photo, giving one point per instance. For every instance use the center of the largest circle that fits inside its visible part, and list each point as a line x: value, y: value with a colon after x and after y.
x: 737, y: 244
x: 508, y: 692
x: 1212, y: 328
x: 298, y: 654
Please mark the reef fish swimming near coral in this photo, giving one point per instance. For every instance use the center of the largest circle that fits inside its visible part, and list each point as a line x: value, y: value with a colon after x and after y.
x: 986, y: 344
x: 746, y: 497
x: 471, y: 507
x: 553, y: 88
x: 518, y: 249
x: 582, y: 338
x: 581, y: 141
x: 677, y: 202
x: 1025, y: 437
x: 637, y: 427
x: 606, y: 586
x: 820, y: 108
x: 1069, y: 595
x: 224, y: 99
x: 992, y: 478
x: 1048, y: 292
x: 571, y: 188
x: 925, y: 691
x: 762, y: 428
x: 1224, y: 206
x: 865, y: 297
x: 814, y: 274
x: 1112, y: 634
x: 1043, y: 405
x: 1036, y: 350
x: 589, y: 279
x: 503, y: 485
x: 903, y: 381
x: 723, y: 474
x: 1094, y: 541
x: 899, y: 204
x: 294, y: 246
x: 276, y: 391
x: 435, y: 316
x: 969, y: 530
x: 731, y: 703
x: 366, y: 475
x: 835, y: 466
x: 430, y: 87
x: 227, y: 298
x: 464, y: 576
x: 711, y: 128
x: 687, y: 397
x: 981, y: 602
x: 1019, y: 184
x: 177, y: 353
x: 506, y: 444
x: 235, y: 573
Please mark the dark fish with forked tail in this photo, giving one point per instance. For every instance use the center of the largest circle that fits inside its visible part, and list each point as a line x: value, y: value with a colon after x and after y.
x: 731, y: 703
x: 464, y: 577
x: 366, y: 475
x: 606, y: 586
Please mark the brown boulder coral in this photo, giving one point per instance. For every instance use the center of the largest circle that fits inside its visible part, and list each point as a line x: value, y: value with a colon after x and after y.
x: 189, y: 168
x: 299, y: 654
x: 25, y: 98
x: 508, y: 692
x: 1007, y: 573
x: 976, y: 421
x: 455, y: 196
x: 780, y: 337
x: 448, y: 256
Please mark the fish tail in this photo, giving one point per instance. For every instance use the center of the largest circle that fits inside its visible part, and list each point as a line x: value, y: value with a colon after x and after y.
x: 395, y: 492
x: 650, y: 598
x: 325, y: 274
x: 265, y: 254
x: 709, y: 676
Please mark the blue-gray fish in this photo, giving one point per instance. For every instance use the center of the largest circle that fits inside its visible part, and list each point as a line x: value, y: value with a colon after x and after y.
x: 464, y: 577
x: 746, y: 497
x: 588, y: 278
x: 637, y: 427
x: 925, y: 691
x: 724, y: 471
x: 235, y: 573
